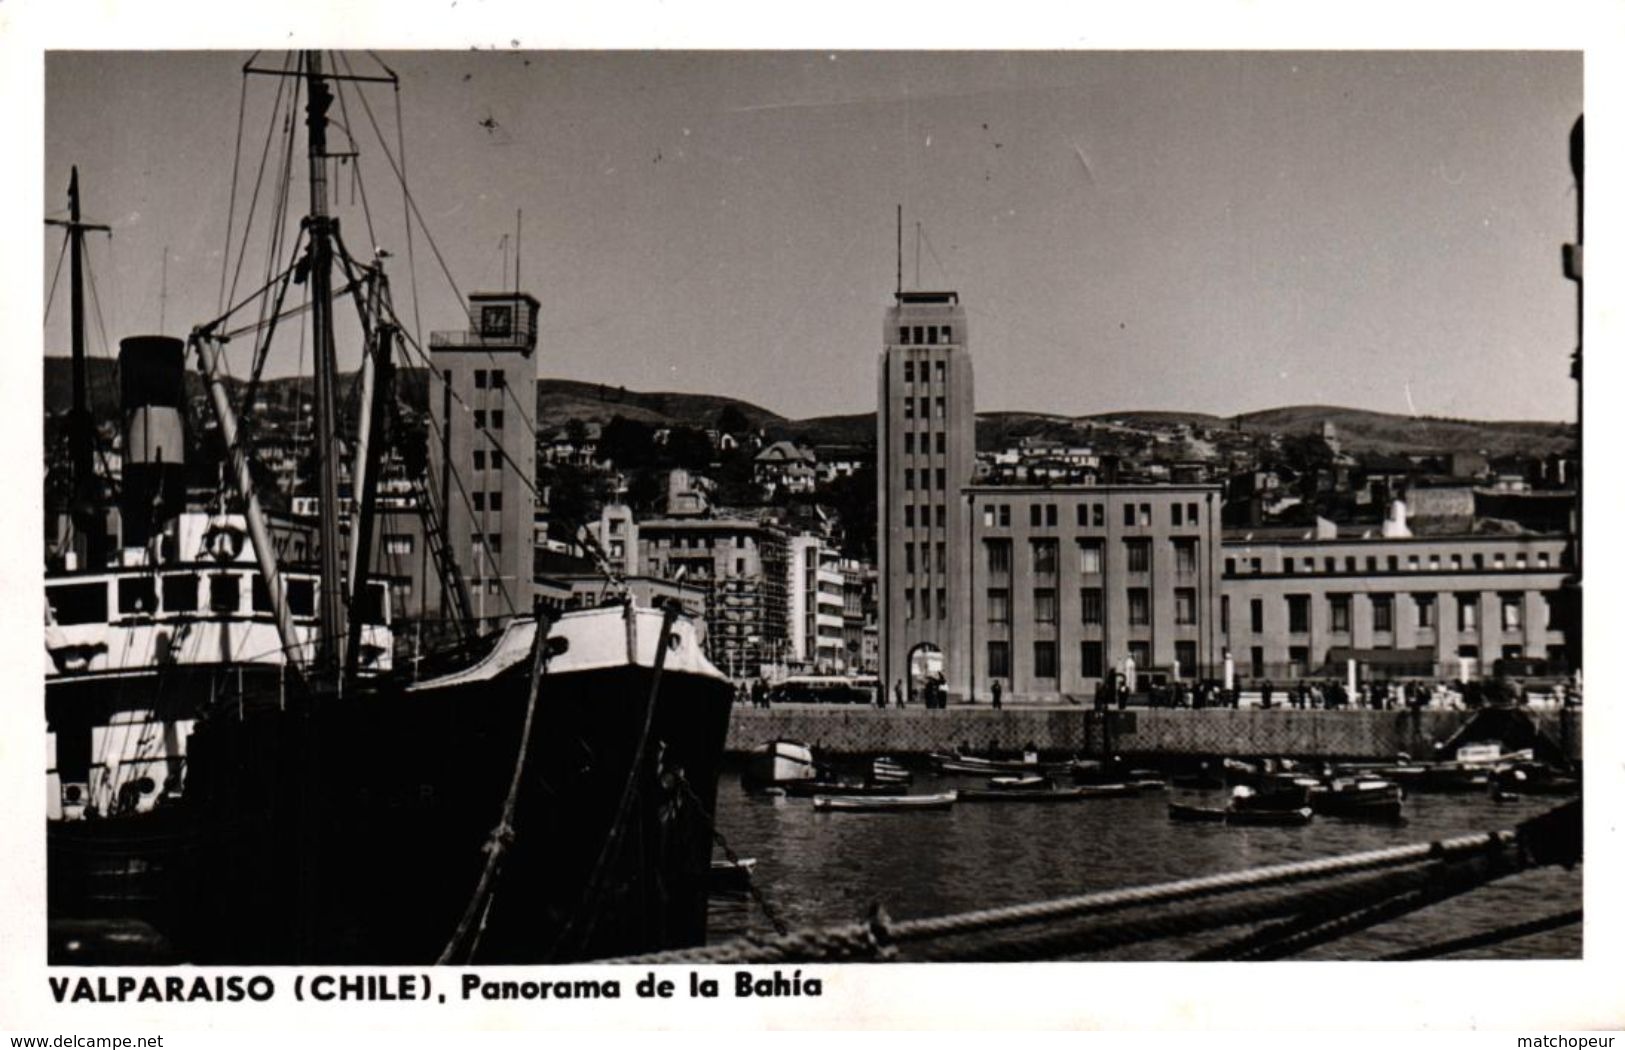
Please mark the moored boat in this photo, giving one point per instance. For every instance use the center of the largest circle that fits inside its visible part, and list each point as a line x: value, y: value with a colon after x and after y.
x: 1180, y: 811
x: 809, y: 788
x: 885, y: 803
x: 1029, y: 794
x: 1361, y: 799
x: 1289, y: 818
x: 779, y: 763
x: 888, y: 771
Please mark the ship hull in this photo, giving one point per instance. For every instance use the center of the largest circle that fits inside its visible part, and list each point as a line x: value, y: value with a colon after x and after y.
x: 355, y: 830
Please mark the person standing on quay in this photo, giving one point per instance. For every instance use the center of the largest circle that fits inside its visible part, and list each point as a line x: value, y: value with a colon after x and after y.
x: 897, y: 692
x: 1265, y: 693
x: 998, y: 695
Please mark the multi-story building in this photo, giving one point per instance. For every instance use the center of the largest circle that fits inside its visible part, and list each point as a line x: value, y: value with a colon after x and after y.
x: 1070, y: 584
x: 483, y: 450
x: 926, y: 428
x: 1297, y: 603
x: 859, y: 630
x: 815, y: 605
x: 742, y: 565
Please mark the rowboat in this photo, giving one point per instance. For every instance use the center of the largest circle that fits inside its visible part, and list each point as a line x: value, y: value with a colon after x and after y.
x: 976, y: 766
x: 1362, y: 799
x: 888, y: 771
x: 884, y: 803
x: 1195, y: 814
x: 1289, y: 818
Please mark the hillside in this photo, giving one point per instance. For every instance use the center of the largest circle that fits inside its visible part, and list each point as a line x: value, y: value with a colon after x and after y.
x: 560, y: 400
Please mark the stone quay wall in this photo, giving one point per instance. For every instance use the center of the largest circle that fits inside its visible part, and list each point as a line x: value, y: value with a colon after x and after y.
x: 1356, y: 734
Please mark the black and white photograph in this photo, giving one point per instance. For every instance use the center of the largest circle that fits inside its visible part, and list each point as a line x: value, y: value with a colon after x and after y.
x: 518, y: 518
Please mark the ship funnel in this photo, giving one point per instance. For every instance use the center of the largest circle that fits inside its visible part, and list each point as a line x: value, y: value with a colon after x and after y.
x: 152, y: 387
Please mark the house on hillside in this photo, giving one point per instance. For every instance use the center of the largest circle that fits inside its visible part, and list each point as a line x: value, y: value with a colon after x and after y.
x: 783, y: 466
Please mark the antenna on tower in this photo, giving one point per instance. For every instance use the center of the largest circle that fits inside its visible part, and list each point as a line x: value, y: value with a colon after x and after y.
x: 163, y: 289
x: 899, y: 250
x: 518, y: 245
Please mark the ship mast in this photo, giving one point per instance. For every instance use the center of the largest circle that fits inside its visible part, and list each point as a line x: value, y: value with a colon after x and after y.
x: 81, y: 452
x: 331, y: 608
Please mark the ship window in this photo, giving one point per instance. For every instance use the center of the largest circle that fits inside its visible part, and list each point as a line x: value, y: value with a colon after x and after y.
x: 259, y: 595
x: 138, y: 596
x: 302, y: 597
x: 370, y: 604
x: 180, y: 593
x: 79, y: 602
x: 496, y: 322
x: 224, y: 593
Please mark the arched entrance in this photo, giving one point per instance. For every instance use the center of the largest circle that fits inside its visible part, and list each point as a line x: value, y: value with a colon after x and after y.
x: 927, y: 674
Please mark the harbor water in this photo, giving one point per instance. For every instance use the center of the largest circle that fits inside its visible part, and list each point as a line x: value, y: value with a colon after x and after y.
x: 821, y: 868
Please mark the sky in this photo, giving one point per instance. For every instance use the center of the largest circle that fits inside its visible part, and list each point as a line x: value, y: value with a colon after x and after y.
x: 1203, y: 231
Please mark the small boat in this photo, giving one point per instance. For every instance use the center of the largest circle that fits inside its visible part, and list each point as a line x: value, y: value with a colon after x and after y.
x: 889, y: 771
x: 1360, y: 799
x: 1018, y: 783
x: 777, y: 763
x: 728, y: 876
x: 1195, y: 814
x: 1032, y: 794
x: 809, y: 788
x: 1107, y: 790
x: 1148, y: 784
x: 883, y: 803
x: 1277, y: 797
x: 1285, y: 818
x: 974, y: 765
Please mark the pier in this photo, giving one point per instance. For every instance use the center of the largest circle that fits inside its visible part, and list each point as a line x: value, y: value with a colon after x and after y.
x: 1297, y: 733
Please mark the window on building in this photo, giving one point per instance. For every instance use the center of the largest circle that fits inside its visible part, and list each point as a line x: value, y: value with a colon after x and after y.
x: 493, y: 541
x: 1140, y: 653
x: 1176, y: 515
x: 1382, y: 613
x: 1091, y: 660
x: 1139, y: 555
x: 1426, y: 610
x: 1330, y: 564
x: 1128, y: 515
x: 1393, y: 563
x: 1224, y: 614
x: 1145, y: 515
x: 942, y: 478
x: 1255, y: 565
x: 479, y: 379
x: 1099, y: 515
x: 947, y: 337
x: 908, y: 408
x: 1349, y: 564
x: 931, y: 334
x: 1092, y: 602
x: 908, y: 479
x: 942, y: 516
x: 1004, y: 515
x: 1089, y: 556
x: 498, y: 380
x: 1050, y: 515
x: 1297, y: 613
x: 479, y: 500
x: 998, y: 605
x: 941, y: 409
x: 1257, y: 657
x: 998, y: 557
x: 1184, y: 605
x: 1340, y: 612
x: 1185, y: 656
x: 493, y: 500
x: 942, y: 557
x: 908, y: 366
x: 1467, y: 612
x: 1139, y: 607
x: 987, y: 515
x: 1543, y: 560
x: 908, y: 443
x: 942, y: 442
x: 1035, y: 515
x: 919, y: 335
x: 479, y: 419
x: 1044, y: 604
x: 902, y: 334
x: 1370, y: 563
x: 1433, y: 563
x: 1043, y: 553
x: 397, y: 543
x: 1256, y: 615
x: 1185, y: 557
x: 1190, y: 513
x: 496, y: 419
x: 1511, y: 612
x: 1044, y: 659
x: 479, y: 459
x: 1230, y: 566
x: 908, y: 557
x: 998, y: 659
x: 1297, y: 658
x: 908, y: 516
x: 908, y: 603
x: 495, y: 460
x: 942, y: 603
x: 1289, y: 565
x: 925, y: 408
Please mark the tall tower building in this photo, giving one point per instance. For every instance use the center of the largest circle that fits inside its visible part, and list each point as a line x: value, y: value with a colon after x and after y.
x: 927, y: 447
x: 484, y: 454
